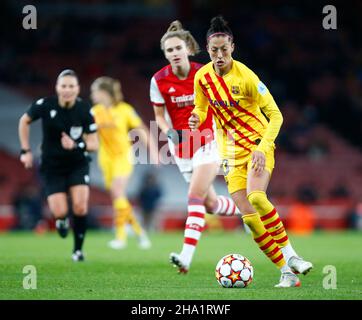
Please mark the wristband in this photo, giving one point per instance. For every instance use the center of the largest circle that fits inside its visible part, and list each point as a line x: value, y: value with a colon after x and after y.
x: 24, y: 151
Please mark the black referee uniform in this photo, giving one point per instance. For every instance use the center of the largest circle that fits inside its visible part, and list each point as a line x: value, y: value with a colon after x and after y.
x: 61, y: 168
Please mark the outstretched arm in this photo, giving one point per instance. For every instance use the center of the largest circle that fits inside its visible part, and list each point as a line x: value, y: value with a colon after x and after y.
x: 26, y: 156
x: 160, y: 118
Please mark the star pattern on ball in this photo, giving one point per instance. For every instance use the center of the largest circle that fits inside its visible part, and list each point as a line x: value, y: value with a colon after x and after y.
x: 218, y: 274
x: 247, y: 263
x: 228, y: 259
x: 234, y: 276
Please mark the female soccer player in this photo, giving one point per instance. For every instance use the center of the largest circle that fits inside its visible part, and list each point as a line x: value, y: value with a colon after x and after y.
x: 69, y: 133
x: 195, y: 153
x: 115, y: 118
x: 237, y: 99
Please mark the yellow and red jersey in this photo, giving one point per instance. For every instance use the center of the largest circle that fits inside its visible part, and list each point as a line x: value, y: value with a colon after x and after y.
x: 241, y: 106
x: 114, y: 123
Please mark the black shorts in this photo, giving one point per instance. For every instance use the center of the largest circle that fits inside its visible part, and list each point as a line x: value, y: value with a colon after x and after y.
x: 56, y: 181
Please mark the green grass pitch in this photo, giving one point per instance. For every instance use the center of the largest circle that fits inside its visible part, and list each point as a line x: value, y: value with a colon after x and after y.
x: 136, y: 274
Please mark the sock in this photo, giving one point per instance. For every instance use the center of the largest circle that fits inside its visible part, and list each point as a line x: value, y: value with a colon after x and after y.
x: 288, y: 252
x: 132, y: 220
x: 79, y: 229
x: 269, y: 216
x: 225, y: 206
x: 122, y: 209
x: 195, y: 223
x: 264, y: 240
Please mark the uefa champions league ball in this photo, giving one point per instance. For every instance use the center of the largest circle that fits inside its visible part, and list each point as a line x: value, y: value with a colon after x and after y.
x: 234, y: 271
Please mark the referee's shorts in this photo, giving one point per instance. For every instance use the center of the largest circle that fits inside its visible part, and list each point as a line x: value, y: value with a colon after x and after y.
x: 55, y: 181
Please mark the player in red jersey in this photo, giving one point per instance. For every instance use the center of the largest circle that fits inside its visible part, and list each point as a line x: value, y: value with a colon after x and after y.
x: 195, y: 152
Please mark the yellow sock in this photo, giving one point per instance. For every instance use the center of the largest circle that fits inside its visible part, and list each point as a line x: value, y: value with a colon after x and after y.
x: 269, y: 216
x: 263, y: 239
x: 122, y: 208
x: 134, y: 223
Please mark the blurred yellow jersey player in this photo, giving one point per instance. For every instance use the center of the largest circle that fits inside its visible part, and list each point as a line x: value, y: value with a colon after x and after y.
x: 115, y: 118
x: 114, y: 155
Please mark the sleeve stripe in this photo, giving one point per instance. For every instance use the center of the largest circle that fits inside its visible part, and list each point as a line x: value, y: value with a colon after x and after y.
x: 157, y: 104
x: 155, y: 94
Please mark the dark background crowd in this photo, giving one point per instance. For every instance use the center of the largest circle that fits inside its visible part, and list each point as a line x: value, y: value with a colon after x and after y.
x: 314, y: 74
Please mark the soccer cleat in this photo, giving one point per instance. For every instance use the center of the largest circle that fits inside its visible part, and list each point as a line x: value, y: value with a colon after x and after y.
x: 288, y: 280
x: 298, y: 265
x: 117, y: 244
x: 144, y: 242
x: 77, y: 256
x: 62, y: 226
x: 177, y: 262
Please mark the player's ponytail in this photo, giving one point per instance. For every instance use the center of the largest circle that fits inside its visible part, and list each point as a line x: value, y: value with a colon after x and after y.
x: 111, y: 86
x: 176, y: 30
x: 219, y: 27
x: 175, y: 26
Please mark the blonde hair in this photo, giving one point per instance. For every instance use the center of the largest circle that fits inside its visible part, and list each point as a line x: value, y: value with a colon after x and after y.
x: 176, y: 30
x: 111, y: 86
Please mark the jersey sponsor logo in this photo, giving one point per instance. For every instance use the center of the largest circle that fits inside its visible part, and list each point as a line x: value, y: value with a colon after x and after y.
x: 235, y: 89
x: 171, y: 90
x: 224, y: 103
x: 184, y: 100
x: 53, y: 113
x: 76, y: 132
x: 262, y: 89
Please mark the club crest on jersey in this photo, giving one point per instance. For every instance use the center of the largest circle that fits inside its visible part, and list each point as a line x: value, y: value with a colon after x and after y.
x: 235, y: 89
x: 76, y: 132
x: 53, y: 113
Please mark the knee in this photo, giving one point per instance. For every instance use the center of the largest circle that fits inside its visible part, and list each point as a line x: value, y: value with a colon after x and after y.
x: 60, y: 213
x: 80, y: 208
x: 256, y: 199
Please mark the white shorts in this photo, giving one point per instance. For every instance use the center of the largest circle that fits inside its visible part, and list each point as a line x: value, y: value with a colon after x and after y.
x: 206, y: 154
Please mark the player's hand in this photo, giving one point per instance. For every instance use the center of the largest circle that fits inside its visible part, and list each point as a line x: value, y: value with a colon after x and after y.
x: 176, y: 136
x: 27, y: 159
x: 194, y: 121
x: 67, y: 142
x: 258, y: 162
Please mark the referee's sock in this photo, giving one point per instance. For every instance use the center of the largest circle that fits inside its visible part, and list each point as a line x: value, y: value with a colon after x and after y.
x: 79, y: 229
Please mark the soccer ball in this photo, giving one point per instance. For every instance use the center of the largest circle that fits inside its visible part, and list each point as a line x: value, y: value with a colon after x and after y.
x: 234, y: 271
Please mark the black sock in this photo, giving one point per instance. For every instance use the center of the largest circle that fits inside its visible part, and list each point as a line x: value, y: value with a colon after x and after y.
x: 79, y: 229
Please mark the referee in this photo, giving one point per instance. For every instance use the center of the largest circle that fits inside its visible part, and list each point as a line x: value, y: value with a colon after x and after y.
x: 69, y: 132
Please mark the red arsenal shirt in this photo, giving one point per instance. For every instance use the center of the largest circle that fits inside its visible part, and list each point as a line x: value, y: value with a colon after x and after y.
x: 178, y: 98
